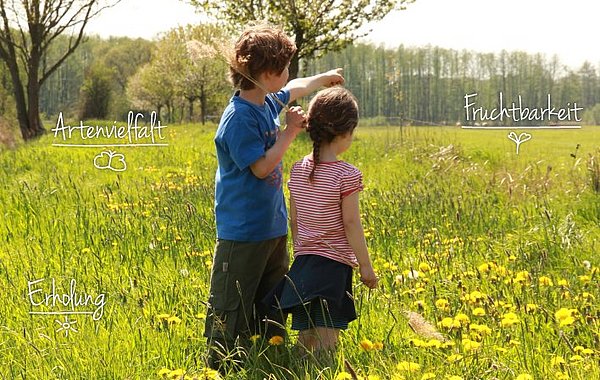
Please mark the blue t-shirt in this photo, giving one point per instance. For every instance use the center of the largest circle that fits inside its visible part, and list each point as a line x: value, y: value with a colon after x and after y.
x: 248, y: 208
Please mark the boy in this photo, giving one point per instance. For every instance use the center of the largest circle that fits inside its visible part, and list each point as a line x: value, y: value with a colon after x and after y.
x: 251, y: 255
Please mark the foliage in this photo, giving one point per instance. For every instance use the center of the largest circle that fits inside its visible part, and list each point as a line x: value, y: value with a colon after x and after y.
x: 24, y: 48
x: 426, y: 85
x: 96, y: 93
x: 316, y: 26
x: 171, y: 77
x: 497, y: 252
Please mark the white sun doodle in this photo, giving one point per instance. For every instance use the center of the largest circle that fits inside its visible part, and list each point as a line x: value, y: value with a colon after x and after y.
x: 66, y: 326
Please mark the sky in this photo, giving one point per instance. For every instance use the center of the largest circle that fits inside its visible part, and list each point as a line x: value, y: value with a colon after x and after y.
x: 568, y: 29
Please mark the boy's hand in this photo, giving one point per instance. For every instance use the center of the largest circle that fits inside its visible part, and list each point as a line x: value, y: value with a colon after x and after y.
x: 333, y: 77
x: 368, y: 277
x: 295, y: 119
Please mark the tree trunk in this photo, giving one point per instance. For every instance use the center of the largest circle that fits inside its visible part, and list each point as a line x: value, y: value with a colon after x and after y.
x: 203, y: 106
x: 190, y: 109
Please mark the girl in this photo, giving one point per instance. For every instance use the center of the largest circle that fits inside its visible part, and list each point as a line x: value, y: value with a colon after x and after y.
x: 328, y: 236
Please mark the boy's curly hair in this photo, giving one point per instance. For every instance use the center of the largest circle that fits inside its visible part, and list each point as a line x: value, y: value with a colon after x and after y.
x: 261, y: 48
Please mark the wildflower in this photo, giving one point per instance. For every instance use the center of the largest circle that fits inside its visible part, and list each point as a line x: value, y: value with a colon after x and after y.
x: 454, y: 377
x: 424, y: 267
x: 428, y: 375
x: 470, y: 345
x: 163, y: 372
x: 530, y: 307
x: 177, y: 373
x: 408, y: 366
x: 524, y: 376
x: 366, y: 344
x: 565, y: 316
x: 254, y: 338
x: 442, y: 304
x: 463, y: 319
x: 276, y: 340
x: 522, y: 277
x: 450, y: 323
x: 545, y: 281
x: 378, y: 346
x: 454, y: 358
x: 585, y: 279
x: 484, y: 268
x: 483, y: 329
x: 576, y: 358
x: 475, y: 296
x: 561, y: 376
x: 509, y: 319
x: 343, y: 376
x: 173, y: 320
x: 433, y: 343
x: 478, y: 312
x: 563, y: 283
x: 86, y: 250
x: 556, y: 361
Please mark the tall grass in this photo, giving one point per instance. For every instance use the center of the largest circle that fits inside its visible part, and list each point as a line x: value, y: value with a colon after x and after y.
x: 498, y: 252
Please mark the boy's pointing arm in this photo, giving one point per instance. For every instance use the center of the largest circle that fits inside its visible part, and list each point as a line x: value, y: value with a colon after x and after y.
x: 301, y: 87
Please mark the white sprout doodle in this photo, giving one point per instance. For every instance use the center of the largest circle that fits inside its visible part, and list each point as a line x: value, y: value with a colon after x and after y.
x: 66, y: 326
x: 100, y: 162
x: 518, y: 140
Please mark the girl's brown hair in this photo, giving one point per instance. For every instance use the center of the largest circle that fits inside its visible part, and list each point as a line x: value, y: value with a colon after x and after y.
x: 261, y: 48
x: 332, y: 112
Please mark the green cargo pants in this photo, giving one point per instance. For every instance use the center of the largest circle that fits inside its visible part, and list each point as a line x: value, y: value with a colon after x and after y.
x: 242, y: 274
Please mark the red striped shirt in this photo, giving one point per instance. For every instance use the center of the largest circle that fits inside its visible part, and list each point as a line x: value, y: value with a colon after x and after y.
x: 319, y: 208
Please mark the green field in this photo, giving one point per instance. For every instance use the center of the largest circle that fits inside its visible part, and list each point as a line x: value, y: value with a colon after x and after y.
x: 499, y: 252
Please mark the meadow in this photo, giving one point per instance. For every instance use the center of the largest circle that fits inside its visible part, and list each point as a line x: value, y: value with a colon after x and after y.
x: 489, y: 260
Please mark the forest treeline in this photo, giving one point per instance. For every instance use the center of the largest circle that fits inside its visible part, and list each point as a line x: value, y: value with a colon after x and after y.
x: 106, y: 78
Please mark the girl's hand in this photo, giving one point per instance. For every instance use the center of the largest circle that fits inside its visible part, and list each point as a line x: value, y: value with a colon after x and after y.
x: 295, y: 119
x: 368, y: 277
x: 333, y: 77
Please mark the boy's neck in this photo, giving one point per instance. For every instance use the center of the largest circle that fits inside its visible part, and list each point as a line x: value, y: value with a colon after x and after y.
x: 255, y: 95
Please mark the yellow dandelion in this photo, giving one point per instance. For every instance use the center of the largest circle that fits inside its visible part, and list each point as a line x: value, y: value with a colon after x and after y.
x: 177, y: 373
x: 522, y: 277
x: 164, y: 372
x: 563, y: 283
x: 531, y: 308
x: 478, y: 312
x: 524, y: 376
x: 454, y: 377
x: 545, y: 281
x: 254, y: 338
x: 174, y: 320
x: 378, y: 346
x: 424, y: 267
x: 470, y: 345
x: 163, y: 316
x: 509, y: 319
x: 585, y: 279
x: 557, y: 360
x: 561, y: 376
x: 366, y: 344
x: 576, y: 358
x: 483, y: 329
x: 454, y: 358
x: 484, y: 268
x: 442, y: 304
x: 463, y: 319
x: 276, y: 340
x: 568, y: 321
x: 428, y: 375
x: 343, y: 376
x: 408, y: 366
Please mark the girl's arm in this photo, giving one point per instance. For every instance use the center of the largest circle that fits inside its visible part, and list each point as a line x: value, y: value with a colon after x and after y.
x: 356, y: 238
x: 293, y: 220
x: 301, y: 87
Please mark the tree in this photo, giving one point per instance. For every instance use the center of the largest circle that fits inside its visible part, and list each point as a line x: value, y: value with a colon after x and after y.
x: 45, y: 21
x: 317, y: 26
x: 96, y: 93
